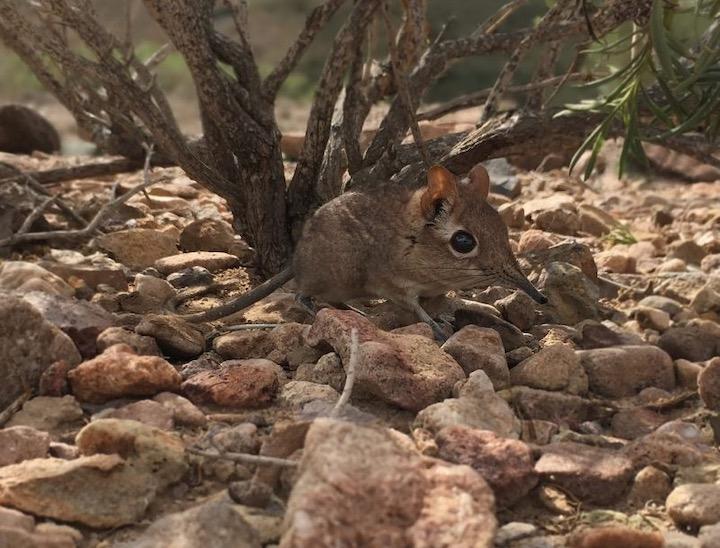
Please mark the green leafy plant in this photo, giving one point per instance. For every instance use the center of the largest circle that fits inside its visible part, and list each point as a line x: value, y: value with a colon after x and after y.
x: 668, y: 83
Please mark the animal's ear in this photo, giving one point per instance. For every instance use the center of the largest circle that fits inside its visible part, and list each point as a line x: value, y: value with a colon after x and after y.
x: 479, y: 180
x: 441, y: 189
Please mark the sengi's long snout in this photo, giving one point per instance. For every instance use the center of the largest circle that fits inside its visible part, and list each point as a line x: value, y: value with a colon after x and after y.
x: 518, y: 279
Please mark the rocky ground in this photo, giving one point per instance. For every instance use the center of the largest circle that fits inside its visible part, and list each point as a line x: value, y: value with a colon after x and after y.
x: 588, y: 422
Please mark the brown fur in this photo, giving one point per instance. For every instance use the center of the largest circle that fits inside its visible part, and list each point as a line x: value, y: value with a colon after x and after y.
x: 393, y: 242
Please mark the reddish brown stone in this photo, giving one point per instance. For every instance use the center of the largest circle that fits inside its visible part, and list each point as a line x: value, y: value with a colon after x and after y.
x: 119, y: 372
x: 506, y: 464
x: 237, y: 383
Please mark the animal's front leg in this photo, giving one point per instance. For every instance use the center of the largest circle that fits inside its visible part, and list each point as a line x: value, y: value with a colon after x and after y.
x: 414, y: 305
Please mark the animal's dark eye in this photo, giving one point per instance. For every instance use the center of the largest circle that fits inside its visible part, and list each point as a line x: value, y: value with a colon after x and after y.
x: 463, y: 242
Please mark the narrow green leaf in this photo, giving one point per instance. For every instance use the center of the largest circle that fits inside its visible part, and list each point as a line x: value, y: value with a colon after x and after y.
x: 658, y: 35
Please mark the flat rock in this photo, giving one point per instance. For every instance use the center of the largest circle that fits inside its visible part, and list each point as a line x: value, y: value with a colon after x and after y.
x: 408, y: 371
x: 555, y: 367
x: 94, y: 270
x: 212, y: 524
x: 29, y: 344
x: 23, y: 277
x: 97, y: 491
x: 19, y: 443
x: 175, y: 336
x: 124, y: 465
x: 635, y: 422
x: 506, y: 464
x: 591, y: 474
x: 153, y: 451
x: 690, y: 342
x: 148, y: 412
x: 486, y: 411
x: 476, y: 348
x: 211, y: 260
x: 551, y: 406
x: 184, y: 412
x: 236, y: 383
x: 625, y: 371
x: 138, y: 247
x: 407, y: 500
x: 16, y: 519
x: 142, y: 345
x: 82, y: 321
x: 694, y: 504
x: 284, y: 345
x: 20, y: 538
x: 297, y: 394
x: 119, y: 372
x: 54, y: 415
x: 207, y: 235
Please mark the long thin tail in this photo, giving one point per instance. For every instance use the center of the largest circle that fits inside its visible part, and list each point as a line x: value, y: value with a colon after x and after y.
x: 244, y: 300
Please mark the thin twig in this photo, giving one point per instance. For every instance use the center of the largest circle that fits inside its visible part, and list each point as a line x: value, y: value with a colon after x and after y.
x: 403, y: 88
x: 35, y: 215
x: 14, y: 407
x: 479, y: 97
x: 314, y: 23
x: 245, y: 458
x: 84, y: 171
x: 82, y: 232
x: 494, y: 22
x: 158, y: 56
x: 350, y: 374
x: 508, y: 70
x: 36, y: 187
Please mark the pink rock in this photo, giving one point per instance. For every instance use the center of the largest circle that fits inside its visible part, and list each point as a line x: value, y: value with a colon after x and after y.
x: 399, y: 497
x: 481, y: 348
x: 592, y: 474
x: 119, y: 372
x: 551, y: 406
x: 212, y: 260
x: 635, y: 422
x: 624, y: 371
x: 142, y: 345
x: 145, y: 411
x: 408, y: 371
x: 555, y: 367
x: 506, y: 464
x: 184, y: 412
x: 534, y: 240
x: 237, y: 383
x: 19, y: 443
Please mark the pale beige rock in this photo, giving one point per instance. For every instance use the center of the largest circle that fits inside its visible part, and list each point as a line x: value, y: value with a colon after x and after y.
x: 555, y: 367
x: 22, y: 277
x: 212, y: 260
x: 138, y: 247
x: 694, y: 504
x: 28, y: 346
